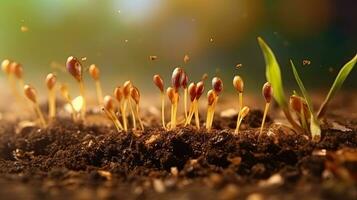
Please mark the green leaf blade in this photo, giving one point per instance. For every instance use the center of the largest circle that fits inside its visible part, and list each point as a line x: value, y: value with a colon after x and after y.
x: 337, y: 84
x: 273, y: 74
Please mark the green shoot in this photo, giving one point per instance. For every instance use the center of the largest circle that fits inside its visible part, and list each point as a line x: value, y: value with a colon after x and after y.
x: 341, y: 77
x: 314, y: 124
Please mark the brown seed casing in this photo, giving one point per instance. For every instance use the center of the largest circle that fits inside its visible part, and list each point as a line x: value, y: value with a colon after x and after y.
x: 135, y: 94
x: 192, y: 91
x: 200, y: 87
x: 217, y: 85
x: 171, y: 94
x: 118, y: 93
x: 30, y: 93
x: 296, y: 102
x: 108, y: 103
x: 16, y: 69
x: 74, y: 67
x: 51, y: 80
x: 184, y: 80
x: 211, y: 97
x: 238, y: 84
x: 94, y: 72
x: 267, y: 92
x: 176, y: 78
x: 158, y: 82
x: 126, y: 88
x: 5, y: 66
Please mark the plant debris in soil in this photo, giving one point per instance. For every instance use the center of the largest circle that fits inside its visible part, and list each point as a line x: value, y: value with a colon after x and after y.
x: 70, y: 160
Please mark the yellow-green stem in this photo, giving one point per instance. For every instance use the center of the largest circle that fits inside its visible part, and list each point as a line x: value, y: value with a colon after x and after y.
x: 123, y: 114
x: 163, y: 110
x: 132, y: 114
x: 138, y: 116
x: 99, y: 92
x: 264, y: 117
x: 40, y: 115
x: 83, y: 94
x: 52, y: 103
x: 185, y: 101
x: 197, y: 117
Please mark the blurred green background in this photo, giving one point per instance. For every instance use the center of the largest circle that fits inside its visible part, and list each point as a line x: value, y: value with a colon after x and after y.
x: 119, y: 36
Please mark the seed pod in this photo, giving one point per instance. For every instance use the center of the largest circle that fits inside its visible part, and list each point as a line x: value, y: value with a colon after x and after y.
x: 211, y: 97
x: 30, y: 93
x: 118, y: 93
x: 267, y: 92
x: 171, y: 94
x: 74, y: 67
x: 186, y: 58
x: 5, y: 66
x: 238, y: 84
x: 184, y: 80
x: 94, y: 72
x: 16, y: 69
x: 135, y: 94
x: 159, y: 82
x: 192, y: 91
x: 51, y: 80
x: 200, y: 87
x: 217, y: 85
x: 176, y: 78
x: 296, y: 102
x: 126, y: 88
x: 244, y: 112
x: 108, y: 103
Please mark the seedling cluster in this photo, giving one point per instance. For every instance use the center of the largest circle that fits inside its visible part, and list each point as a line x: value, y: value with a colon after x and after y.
x: 125, y: 101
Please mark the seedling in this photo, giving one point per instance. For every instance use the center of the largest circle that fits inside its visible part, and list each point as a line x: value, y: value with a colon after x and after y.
x: 135, y: 94
x: 18, y: 71
x: 184, y: 83
x: 242, y: 113
x: 67, y: 97
x: 95, y: 74
x: 6, y: 66
x: 172, y: 95
x: 274, y: 77
x: 239, y: 86
x: 51, y: 80
x: 217, y: 86
x: 160, y: 84
x: 195, y: 92
x: 177, y: 78
x: 267, y: 92
x: 109, y: 111
x: 211, y: 98
x: 299, y: 105
x: 126, y: 93
x: 31, y: 94
x: 74, y: 67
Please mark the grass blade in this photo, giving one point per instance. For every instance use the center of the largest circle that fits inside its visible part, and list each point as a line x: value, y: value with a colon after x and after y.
x: 341, y: 77
x: 314, y: 125
x: 273, y: 75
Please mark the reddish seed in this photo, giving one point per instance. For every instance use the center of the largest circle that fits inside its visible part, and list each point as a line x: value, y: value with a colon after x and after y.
x: 211, y: 96
x: 184, y: 80
x: 176, y: 78
x: 238, y: 84
x: 16, y: 69
x: 158, y: 82
x: 192, y: 91
x: 126, y: 88
x: 296, y: 102
x: 51, y: 80
x: 267, y: 92
x: 200, y: 87
x: 217, y: 85
x: 118, y: 93
x: 108, y: 103
x: 74, y: 67
x: 171, y: 94
x: 135, y: 94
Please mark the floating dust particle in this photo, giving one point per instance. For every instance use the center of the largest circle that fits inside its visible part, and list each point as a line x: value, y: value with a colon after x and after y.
x: 306, y: 62
x: 126, y: 41
x: 186, y: 58
x: 204, y: 77
x: 84, y: 58
x: 239, y: 65
x: 24, y: 29
x: 211, y: 40
x: 152, y: 58
x: 119, y: 11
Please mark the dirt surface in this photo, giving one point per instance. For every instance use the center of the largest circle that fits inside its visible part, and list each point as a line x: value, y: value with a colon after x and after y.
x: 74, y: 161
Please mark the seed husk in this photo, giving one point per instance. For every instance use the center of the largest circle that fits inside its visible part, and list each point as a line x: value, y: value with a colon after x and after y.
x: 158, y: 82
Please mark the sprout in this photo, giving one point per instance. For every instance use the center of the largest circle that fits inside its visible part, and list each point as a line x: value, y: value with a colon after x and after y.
x: 74, y: 67
x: 51, y: 82
x: 192, y: 91
x: 67, y: 97
x: 160, y: 84
x: 95, y: 74
x: 242, y: 113
x: 135, y: 94
x: 109, y: 111
x: 267, y: 92
x: 6, y: 67
x: 299, y: 105
x: 126, y: 94
x: 30, y: 93
x: 173, y: 99
x: 211, y: 98
x: 184, y: 82
x: 177, y: 79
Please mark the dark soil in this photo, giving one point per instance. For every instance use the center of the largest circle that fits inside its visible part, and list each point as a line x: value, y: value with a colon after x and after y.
x: 73, y: 161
